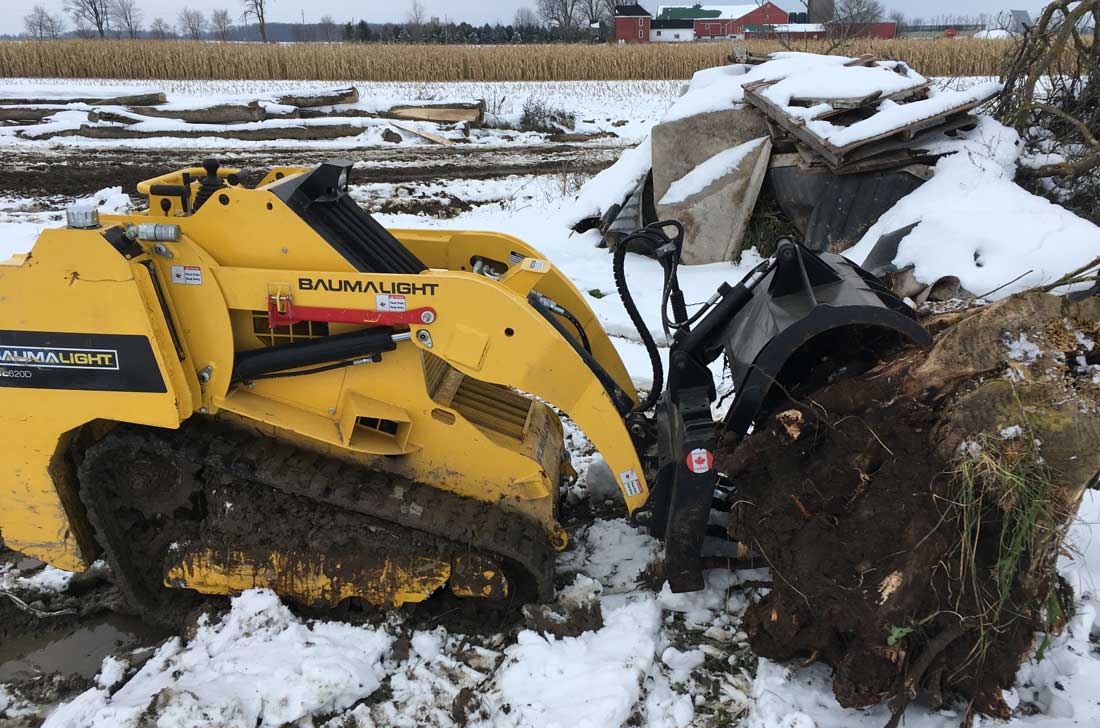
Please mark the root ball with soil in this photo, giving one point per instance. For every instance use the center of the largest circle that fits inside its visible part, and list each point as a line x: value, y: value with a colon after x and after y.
x: 914, y: 520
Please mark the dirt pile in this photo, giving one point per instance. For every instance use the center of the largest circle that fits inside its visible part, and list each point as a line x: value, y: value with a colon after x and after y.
x: 912, y: 515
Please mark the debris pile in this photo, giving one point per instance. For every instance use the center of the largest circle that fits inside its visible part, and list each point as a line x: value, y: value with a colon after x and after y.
x: 832, y: 142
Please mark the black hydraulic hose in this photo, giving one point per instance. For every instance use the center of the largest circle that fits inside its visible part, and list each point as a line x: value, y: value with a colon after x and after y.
x: 577, y: 324
x: 618, y: 261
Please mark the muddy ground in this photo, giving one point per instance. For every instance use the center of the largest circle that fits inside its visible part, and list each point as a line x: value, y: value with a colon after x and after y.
x: 76, y: 172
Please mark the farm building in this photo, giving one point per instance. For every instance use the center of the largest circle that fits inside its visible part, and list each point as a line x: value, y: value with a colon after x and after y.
x: 817, y: 31
x: 634, y: 24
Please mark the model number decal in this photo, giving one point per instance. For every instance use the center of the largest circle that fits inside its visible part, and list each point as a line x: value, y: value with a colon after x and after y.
x: 66, y: 360
x: 344, y: 285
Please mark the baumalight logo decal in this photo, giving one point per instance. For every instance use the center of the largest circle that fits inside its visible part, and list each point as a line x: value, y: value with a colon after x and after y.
x: 48, y: 357
x: 343, y: 285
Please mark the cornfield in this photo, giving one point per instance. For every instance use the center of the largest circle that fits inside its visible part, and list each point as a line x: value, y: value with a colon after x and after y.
x: 375, y: 62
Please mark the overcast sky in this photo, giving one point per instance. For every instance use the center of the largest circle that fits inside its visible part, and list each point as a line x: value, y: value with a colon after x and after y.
x: 472, y: 11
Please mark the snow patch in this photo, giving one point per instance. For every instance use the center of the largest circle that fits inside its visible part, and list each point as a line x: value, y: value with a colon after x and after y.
x: 589, y: 681
x: 258, y: 666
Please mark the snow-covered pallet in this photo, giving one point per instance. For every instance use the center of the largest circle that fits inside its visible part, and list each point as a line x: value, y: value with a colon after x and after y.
x: 841, y: 128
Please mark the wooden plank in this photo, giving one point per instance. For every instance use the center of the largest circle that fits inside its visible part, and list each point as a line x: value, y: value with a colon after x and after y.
x: 449, y: 113
x: 779, y: 115
x: 435, y: 138
x: 865, y: 60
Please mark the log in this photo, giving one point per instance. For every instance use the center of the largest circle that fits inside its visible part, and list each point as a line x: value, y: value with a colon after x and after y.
x: 221, y: 114
x: 886, y: 502
x: 331, y: 97
x: 28, y: 114
x: 148, y: 99
x: 303, y: 133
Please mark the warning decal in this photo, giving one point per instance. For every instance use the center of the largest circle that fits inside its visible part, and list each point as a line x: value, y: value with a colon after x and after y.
x: 187, y: 275
x: 389, y: 302
x: 700, y: 460
x: 631, y: 484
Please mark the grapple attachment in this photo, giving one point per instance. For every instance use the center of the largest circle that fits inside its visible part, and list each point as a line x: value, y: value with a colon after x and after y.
x: 797, y: 319
x: 810, y: 316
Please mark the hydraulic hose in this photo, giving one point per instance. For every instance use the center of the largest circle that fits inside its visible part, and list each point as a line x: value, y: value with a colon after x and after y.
x: 618, y: 261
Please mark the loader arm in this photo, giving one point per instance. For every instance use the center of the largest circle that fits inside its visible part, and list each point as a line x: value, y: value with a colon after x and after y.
x: 485, y: 329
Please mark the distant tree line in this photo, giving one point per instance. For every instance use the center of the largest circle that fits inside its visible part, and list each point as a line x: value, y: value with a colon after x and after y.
x: 549, y: 21
x: 125, y: 19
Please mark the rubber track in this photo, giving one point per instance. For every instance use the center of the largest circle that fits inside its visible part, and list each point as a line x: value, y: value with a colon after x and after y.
x: 235, y: 452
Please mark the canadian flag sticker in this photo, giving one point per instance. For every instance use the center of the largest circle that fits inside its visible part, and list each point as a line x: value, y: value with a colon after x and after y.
x: 700, y: 460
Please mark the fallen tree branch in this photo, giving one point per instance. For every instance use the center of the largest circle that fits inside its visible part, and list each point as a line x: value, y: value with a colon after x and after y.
x: 1074, y: 276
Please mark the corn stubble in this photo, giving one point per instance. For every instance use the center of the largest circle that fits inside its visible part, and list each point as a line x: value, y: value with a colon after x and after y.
x: 177, y: 59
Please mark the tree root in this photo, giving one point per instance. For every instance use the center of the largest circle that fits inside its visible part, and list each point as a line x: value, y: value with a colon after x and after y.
x: 914, y: 676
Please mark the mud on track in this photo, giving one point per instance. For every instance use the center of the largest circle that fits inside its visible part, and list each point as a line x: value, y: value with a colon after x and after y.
x: 75, y: 172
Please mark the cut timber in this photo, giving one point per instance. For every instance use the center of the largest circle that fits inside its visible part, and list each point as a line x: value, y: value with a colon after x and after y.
x: 331, y: 97
x: 447, y: 113
x: 304, y: 133
x: 914, y: 511
x: 223, y: 114
x: 434, y: 138
x: 149, y: 99
x: 31, y: 114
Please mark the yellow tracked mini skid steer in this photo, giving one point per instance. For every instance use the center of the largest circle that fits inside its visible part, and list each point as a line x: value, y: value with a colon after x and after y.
x: 263, y: 387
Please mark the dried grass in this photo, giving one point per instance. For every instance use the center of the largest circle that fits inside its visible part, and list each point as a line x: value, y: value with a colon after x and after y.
x: 376, y: 62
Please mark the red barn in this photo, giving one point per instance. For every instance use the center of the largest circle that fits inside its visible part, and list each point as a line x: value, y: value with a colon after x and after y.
x: 632, y: 24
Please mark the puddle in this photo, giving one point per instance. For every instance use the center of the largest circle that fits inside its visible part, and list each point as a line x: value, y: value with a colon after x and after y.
x: 79, y: 652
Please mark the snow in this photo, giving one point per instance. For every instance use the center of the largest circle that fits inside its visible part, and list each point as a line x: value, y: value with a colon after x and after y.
x: 427, y: 644
x: 994, y: 34
x: 977, y: 224
x: 614, y: 184
x: 111, y: 672
x: 720, y: 88
x: 892, y: 115
x: 708, y: 172
x: 258, y: 666
x: 48, y: 580
x: 16, y: 89
x: 841, y: 82
x: 725, y: 12
x: 613, y: 552
x: 589, y: 681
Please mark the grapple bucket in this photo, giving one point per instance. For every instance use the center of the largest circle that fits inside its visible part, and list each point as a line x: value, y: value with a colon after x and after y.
x: 796, y: 321
x: 811, y: 316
